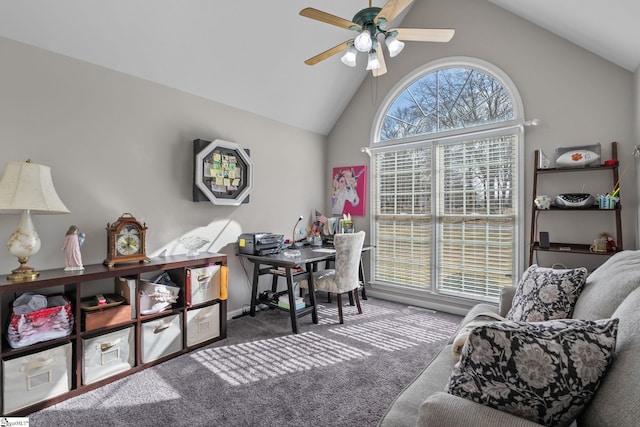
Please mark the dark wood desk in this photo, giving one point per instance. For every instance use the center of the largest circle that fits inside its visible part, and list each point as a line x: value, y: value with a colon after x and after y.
x: 308, y: 260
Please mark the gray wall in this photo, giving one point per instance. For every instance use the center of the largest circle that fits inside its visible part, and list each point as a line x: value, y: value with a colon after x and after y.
x: 579, y: 97
x: 118, y: 144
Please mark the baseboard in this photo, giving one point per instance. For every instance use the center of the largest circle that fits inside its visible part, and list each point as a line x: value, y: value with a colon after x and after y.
x: 234, y: 313
x: 459, y: 309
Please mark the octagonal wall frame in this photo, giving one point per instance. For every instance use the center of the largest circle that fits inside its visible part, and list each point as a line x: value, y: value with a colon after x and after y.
x: 223, y: 172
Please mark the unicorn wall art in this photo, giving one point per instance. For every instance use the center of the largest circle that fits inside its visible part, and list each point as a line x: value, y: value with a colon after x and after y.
x: 349, y: 190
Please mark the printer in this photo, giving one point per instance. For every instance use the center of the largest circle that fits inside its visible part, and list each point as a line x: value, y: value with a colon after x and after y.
x: 260, y: 243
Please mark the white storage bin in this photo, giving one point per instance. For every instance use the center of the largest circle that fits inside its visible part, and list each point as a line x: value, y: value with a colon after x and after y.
x: 203, y: 324
x: 107, y: 355
x: 36, y: 377
x: 161, y: 337
x: 203, y: 284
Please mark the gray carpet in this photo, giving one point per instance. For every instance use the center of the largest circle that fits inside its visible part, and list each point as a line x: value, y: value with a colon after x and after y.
x: 263, y: 375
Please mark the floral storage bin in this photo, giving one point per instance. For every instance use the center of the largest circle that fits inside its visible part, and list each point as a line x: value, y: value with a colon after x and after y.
x: 54, y: 320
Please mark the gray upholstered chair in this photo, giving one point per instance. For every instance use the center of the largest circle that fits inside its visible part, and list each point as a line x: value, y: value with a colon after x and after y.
x: 344, y: 278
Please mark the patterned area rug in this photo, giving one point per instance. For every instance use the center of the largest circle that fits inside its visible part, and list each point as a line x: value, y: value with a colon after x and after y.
x: 262, y: 374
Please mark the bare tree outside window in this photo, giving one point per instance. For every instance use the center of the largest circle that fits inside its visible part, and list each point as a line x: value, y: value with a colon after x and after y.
x: 453, y: 98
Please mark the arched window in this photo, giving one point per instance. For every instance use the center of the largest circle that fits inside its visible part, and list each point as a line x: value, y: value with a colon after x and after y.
x: 446, y: 99
x: 446, y: 181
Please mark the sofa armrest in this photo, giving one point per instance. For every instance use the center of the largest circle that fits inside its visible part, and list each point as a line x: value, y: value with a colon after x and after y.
x: 506, y: 299
x: 446, y: 410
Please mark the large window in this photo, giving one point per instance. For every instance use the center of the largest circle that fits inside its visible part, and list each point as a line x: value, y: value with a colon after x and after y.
x: 446, y: 183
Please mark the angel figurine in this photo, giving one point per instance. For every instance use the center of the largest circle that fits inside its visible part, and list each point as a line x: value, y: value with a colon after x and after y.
x: 72, y: 242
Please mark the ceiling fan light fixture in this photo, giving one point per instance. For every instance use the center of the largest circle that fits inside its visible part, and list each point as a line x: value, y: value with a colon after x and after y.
x: 373, y: 63
x: 394, y: 45
x: 349, y: 58
x: 370, y: 28
x: 363, y: 41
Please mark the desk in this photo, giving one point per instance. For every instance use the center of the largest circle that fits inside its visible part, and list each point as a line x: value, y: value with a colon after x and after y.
x: 308, y: 259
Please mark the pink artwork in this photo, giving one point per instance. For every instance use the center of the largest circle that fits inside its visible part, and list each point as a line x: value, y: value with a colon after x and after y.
x: 349, y: 189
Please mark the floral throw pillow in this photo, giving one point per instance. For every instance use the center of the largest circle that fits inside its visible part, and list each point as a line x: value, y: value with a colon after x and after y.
x: 546, y: 294
x: 545, y: 372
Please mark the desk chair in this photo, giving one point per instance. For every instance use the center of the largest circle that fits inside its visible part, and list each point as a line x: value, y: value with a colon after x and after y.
x: 344, y: 278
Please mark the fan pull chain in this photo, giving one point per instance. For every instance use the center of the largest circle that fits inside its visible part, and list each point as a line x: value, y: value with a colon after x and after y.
x: 374, y: 90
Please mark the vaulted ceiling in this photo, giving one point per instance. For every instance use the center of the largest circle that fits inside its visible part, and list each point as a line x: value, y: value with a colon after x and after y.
x: 249, y: 54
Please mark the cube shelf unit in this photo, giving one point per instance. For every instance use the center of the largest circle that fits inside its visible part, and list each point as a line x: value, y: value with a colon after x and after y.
x: 576, y: 248
x: 76, y: 283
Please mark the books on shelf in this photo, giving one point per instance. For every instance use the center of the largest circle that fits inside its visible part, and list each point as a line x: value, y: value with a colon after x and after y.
x: 283, y: 302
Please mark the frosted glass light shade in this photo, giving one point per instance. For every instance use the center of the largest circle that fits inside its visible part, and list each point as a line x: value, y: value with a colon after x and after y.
x: 349, y: 58
x: 394, y: 45
x: 373, y: 62
x: 363, y: 41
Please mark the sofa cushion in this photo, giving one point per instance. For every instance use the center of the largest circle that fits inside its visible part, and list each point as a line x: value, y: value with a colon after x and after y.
x: 446, y: 410
x: 617, y: 402
x: 506, y: 300
x: 546, y: 293
x: 608, y: 286
x: 545, y: 372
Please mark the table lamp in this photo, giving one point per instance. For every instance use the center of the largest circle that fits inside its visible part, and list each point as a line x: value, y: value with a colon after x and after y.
x: 27, y: 188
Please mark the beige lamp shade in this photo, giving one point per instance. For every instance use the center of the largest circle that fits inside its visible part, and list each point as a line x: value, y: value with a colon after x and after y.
x: 28, y: 186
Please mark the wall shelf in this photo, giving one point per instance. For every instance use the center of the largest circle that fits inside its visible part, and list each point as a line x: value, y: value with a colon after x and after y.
x: 574, y: 248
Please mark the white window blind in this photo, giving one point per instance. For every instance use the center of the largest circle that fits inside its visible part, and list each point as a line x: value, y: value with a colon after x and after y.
x: 477, y: 216
x: 403, y: 217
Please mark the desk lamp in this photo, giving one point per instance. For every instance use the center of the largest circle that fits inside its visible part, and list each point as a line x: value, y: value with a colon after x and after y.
x: 293, y: 235
x: 27, y: 188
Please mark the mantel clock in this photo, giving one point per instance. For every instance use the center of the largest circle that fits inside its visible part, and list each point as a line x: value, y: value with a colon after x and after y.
x: 126, y: 241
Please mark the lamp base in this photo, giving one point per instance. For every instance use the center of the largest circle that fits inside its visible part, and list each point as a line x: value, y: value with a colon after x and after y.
x: 24, y: 272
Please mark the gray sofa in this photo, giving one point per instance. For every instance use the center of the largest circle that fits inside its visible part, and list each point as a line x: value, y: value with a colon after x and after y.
x: 611, y: 291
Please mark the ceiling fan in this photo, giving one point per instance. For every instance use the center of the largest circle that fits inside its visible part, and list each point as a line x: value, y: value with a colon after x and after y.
x: 371, y: 24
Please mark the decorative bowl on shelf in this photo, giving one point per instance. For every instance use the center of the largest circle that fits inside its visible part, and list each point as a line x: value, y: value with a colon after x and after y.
x: 193, y: 244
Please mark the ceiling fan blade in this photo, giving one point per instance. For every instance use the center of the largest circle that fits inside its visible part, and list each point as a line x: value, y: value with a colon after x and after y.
x: 392, y: 9
x: 424, y: 34
x: 321, y: 16
x: 383, y: 66
x: 329, y: 52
